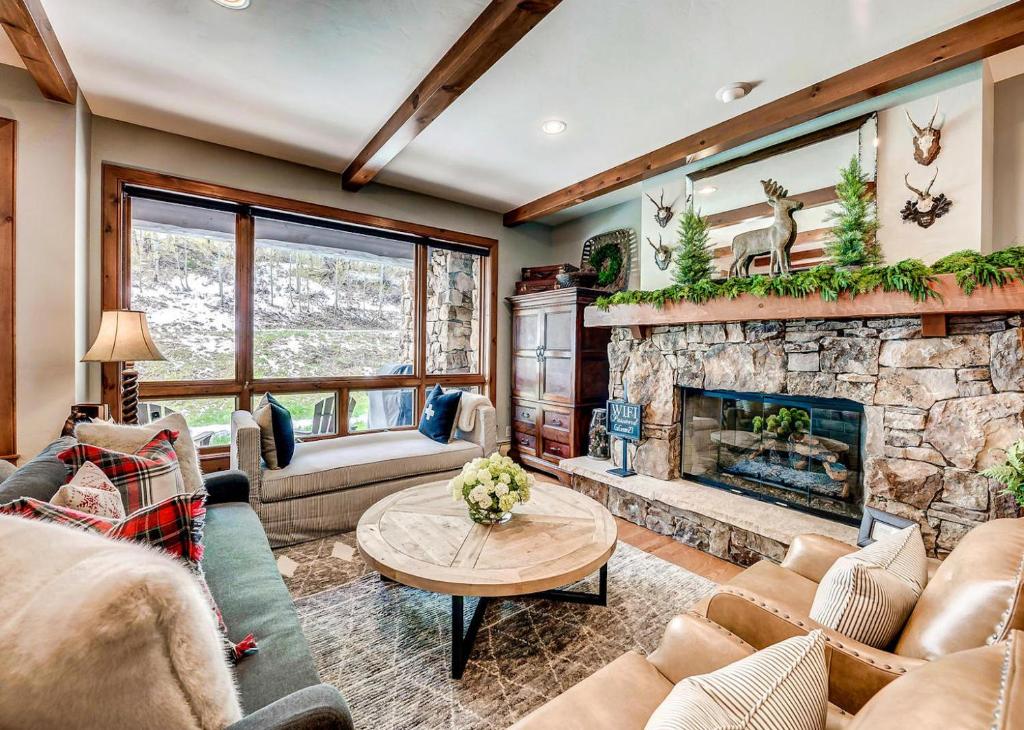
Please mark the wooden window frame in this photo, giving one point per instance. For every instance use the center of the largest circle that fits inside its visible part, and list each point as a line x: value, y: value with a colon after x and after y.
x: 116, y: 294
x: 8, y: 255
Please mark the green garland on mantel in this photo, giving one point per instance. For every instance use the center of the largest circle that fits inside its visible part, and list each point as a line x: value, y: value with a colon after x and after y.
x: 911, y: 277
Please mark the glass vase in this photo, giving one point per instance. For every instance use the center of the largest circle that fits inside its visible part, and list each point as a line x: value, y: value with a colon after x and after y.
x: 488, y: 517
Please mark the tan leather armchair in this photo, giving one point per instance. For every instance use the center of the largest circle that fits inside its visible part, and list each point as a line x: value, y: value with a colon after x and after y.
x: 977, y: 689
x: 624, y: 694
x: 972, y: 599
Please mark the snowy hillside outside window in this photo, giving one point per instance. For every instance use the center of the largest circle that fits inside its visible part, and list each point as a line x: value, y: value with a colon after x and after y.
x: 347, y: 319
x: 329, y: 303
x: 183, y: 277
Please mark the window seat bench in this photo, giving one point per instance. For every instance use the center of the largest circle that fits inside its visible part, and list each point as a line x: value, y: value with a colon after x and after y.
x: 331, y: 482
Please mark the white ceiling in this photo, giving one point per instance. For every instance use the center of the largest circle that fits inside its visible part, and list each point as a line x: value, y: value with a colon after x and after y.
x: 312, y: 80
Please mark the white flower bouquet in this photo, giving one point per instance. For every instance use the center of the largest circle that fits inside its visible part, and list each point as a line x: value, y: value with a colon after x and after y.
x: 492, y: 486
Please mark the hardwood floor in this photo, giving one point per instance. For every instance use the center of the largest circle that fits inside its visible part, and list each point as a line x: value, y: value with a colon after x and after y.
x: 667, y: 548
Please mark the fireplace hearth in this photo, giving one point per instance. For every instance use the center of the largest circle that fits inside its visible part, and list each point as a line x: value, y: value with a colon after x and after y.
x: 793, y: 451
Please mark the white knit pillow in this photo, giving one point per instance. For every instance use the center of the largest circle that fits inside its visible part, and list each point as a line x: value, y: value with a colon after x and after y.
x: 781, y: 687
x: 869, y: 595
x: 90, y: 491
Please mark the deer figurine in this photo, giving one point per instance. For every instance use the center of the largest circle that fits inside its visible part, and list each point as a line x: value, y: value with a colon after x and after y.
x: 927, y: 207
x: 926, y: 139
x: 664, y: 213
x: 776, y: 240
x: 662, y: 253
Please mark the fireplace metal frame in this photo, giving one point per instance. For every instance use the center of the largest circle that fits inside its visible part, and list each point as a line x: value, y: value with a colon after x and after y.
x: 785, y: 400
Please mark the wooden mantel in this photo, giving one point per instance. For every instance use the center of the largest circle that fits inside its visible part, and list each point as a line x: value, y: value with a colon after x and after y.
x: 747, y: 307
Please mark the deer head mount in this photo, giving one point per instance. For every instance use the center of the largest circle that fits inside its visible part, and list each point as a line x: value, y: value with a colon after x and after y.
x: 664, y: 213
x: 927, y: 207
x: 662, y: 253
x: 926, y: 139
x: 776, y: 240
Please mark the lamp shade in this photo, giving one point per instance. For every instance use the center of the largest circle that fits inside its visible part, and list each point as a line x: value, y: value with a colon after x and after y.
x: 123, y: 337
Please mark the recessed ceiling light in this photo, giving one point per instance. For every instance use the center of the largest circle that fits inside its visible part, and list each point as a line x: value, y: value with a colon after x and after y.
x: 707, y: 190
x: 733, y: 91
x: 233, y: 4
x: 553, y: 126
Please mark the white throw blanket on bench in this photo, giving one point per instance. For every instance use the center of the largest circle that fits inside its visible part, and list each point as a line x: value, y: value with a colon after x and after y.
x: 469, y: 404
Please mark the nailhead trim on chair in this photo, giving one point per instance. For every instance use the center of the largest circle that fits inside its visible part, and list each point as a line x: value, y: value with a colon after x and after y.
x: 1004, y: 619
x: 720, y: 629
x: 803, y: 625
x: 1004, y: 676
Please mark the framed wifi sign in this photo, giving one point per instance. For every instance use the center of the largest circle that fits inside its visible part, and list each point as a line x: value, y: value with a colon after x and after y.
x: 624, y: 423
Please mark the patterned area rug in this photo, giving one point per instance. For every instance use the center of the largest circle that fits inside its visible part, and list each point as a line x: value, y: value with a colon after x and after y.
x: 387, y: 646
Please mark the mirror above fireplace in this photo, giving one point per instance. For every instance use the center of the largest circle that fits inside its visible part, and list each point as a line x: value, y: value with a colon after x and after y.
x: 797, y: 452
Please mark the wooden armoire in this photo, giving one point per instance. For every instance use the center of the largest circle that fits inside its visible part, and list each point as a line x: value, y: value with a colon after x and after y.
x: 559, y: 375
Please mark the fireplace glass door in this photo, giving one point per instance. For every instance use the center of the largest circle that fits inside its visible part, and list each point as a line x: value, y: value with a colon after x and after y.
x: 797, y: 452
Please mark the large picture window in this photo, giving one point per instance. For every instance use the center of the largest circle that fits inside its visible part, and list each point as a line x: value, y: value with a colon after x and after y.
x: 347, y: 319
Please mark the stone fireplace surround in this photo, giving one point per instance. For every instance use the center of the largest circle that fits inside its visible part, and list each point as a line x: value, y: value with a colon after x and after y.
x: 937, y: 409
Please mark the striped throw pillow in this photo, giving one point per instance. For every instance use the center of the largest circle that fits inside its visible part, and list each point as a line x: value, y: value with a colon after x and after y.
x: 781, y: 687
x: 869, y: 595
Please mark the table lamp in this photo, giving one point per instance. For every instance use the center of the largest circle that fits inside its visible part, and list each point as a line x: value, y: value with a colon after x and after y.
x: 124, y: 337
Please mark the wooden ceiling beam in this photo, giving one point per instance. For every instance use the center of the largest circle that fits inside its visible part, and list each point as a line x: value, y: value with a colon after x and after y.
x: 966, y: 43
x: 499, y: 27
x: 32, y: 36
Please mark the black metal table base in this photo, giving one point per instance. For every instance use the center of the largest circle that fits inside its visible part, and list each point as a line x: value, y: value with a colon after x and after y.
x: 463, y: 637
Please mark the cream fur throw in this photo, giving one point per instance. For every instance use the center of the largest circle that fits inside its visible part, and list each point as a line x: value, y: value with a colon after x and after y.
x: 99, y: 633
x: 129, y: 439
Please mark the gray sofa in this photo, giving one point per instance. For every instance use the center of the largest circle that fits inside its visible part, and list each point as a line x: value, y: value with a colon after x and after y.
x: 331, y: 482
x: 279, y: 686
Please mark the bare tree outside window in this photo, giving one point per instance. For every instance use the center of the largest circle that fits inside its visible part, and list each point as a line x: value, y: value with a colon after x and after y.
x: 329, y: 303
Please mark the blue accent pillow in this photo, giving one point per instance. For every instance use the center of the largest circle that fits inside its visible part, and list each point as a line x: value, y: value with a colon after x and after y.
x: 284, y: 432
x: 438, y: 418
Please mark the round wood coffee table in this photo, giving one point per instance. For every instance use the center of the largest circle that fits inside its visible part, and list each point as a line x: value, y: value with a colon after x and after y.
x: 423, y: 538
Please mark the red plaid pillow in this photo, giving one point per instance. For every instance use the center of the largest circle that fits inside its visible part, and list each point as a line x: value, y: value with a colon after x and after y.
x: 174, y: 525
x: 148, y: 476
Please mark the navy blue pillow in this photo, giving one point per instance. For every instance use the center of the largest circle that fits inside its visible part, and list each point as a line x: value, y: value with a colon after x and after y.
x: 284, y: 431
x: 438, y: 418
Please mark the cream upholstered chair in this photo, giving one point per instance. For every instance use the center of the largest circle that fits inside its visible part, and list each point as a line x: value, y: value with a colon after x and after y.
x: 973, y: 598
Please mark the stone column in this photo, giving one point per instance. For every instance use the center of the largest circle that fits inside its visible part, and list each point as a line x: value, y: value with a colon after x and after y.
x: 453, y: 312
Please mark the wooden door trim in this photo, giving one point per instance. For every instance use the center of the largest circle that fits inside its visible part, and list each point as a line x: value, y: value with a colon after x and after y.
x: 8, y: 292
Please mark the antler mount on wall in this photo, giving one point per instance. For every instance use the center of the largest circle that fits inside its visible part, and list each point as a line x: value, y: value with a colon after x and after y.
x: 663, y: 213
x: 662, y: 253
x: 927, y: 207
x: 926, y: 139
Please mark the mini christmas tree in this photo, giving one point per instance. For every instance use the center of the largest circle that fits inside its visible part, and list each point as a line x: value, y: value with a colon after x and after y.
x: 853, y: 240
x: 693, y: 259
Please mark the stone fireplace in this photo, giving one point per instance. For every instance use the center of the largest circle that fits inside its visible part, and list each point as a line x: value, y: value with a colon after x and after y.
x: 934, y: 410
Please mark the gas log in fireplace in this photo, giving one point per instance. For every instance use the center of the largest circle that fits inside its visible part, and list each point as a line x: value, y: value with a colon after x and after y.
x: 795, y: 451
